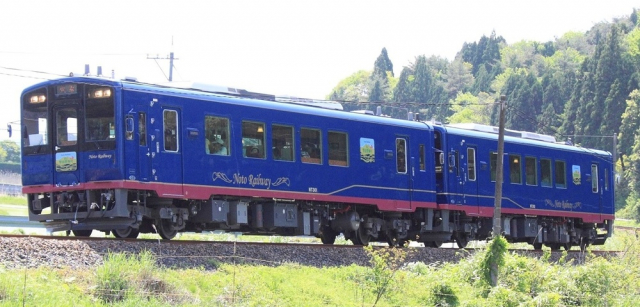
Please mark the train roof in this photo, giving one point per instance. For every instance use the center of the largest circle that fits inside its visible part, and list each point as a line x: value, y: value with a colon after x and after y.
x: 241, y: 97
x: 517, y: 137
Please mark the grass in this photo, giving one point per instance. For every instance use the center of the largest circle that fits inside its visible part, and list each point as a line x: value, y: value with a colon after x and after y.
x: 137, y: 280
x: 13, y: 200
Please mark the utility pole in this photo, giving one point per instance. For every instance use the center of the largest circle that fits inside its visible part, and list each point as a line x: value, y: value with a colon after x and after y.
x: 170, y: 58
x: 497, y: 222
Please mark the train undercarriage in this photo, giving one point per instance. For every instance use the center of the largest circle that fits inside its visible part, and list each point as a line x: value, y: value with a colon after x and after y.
x: 127, y: 213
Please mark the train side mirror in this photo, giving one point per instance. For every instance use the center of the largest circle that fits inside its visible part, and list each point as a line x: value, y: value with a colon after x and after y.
x: 452, y: 160
x: 129, y: 124
x: 442, y: 158
x: 9, y: 129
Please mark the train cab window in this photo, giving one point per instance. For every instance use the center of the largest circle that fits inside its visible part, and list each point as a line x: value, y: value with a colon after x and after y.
x: 471, y: 164
x: 253, y: 139
x: 216, y: 135
x: 170, y: 120
x: 34, y: 121
x: 545, y: 172
x: 515, y: 169
x: 66, y: 127
x: 594, y: 178
x: 401, y: 155
x: 142, y: 128
x: 561, y: 175
x: 338, y: 151
x: 310, y: 141
x: 282, y: 142
x: 423, y: 158
x: 493, y: 163
x: 530, y: 171
x: 99, y: 116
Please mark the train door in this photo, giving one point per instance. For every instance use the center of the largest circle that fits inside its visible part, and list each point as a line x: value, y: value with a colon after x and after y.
x: 166, y: 155
x: 404, y: 166
x: 469, y: 177
x: 144, y: 140
x: 65, y: 144
x: 596, y: 186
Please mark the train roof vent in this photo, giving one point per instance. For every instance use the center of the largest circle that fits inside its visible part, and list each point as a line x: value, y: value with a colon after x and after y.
x: 539, y: 137
x: 212, y: 88
x: 325, y: 104
x: 368, y: 112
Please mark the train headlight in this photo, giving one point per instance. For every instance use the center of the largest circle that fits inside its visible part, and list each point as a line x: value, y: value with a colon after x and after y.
x: 38, y: 99
x: 101, y: 93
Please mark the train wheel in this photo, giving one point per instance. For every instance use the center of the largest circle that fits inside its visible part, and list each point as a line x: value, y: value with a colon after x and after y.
x: 328, y: 236
x: 165, y: 230
x: 434, y: 244
x: 360, y: 237
x: 567, y: 246
x: 82, y: 233
x: 462, y: 239
x: 537, y: 246
x: 128, y: 232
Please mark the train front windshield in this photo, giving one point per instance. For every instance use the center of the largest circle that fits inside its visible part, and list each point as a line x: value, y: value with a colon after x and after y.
x: 68, y: 117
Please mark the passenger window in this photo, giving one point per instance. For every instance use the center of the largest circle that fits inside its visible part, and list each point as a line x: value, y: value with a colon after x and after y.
x: 594, y: 178
x: 282, y: 142
x: 142, y: 128
x: 515, y: 169
x: 423, y: 158
x: 253, y: 139
x: 216, y: 135
x: 561, y: 175
x: 170, y: 130
x: 530, y: 171
x: 401, y: 155
x: 311, y: 151
x: 338, y: 151
x: 545, y: 171
x: 493, y: 164
x: 471, y: 164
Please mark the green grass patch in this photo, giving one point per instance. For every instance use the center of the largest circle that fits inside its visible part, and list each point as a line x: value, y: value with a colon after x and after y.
x: 137, y: 280
x: 13, y: 200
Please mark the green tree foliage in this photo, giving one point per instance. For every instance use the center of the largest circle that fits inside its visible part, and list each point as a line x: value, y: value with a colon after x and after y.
x: 468, y: 108
x: 353, y: 88
x: 484, y: 56
x: 383, y: 64
x: 11, y: 152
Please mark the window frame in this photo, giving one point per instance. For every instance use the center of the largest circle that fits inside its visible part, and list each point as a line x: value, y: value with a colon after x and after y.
x: 527, y: 159
x: 471, y: 164
x: 166, y: 137
x: 401, y: 144
x: 336, y: 162
x: 550, y: 173
x: 261, y: 148
x: 281, y: 127
x: 556, y: 174
x: 309, y: 151
x: 512, y: 169
x: 225, y: 135
x: 595, y: 183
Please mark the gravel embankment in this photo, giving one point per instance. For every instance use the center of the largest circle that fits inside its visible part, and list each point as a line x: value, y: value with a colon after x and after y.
x: 36, y: 252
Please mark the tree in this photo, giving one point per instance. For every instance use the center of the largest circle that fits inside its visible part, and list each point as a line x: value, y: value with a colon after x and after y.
x: 11, y: 151
x: 383, y: 64
x: 354, y: 88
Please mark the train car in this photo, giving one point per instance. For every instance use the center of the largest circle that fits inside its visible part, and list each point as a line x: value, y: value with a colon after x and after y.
x: 125, y: 157
x: 554, y: 193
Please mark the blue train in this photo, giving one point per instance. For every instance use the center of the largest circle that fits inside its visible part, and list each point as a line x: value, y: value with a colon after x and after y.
x: 128, y: 158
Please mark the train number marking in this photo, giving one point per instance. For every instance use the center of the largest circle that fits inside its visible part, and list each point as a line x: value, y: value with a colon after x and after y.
x: 313, y: 190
